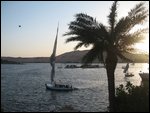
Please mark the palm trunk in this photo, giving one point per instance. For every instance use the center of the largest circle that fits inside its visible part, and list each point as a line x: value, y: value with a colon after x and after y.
x: 111, y: 62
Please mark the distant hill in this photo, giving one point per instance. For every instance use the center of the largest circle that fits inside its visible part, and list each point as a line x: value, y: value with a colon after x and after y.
x: 73, y: 57
x: 138, y: 58
x: 76, y: 56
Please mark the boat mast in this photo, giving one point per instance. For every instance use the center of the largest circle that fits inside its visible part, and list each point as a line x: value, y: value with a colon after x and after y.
x: 53, y: 57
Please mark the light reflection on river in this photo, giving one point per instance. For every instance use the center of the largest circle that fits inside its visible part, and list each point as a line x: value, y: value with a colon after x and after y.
x: 23, y: 87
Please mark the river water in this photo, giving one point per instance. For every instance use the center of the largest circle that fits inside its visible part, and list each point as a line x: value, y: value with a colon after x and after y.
x: 23, y: 87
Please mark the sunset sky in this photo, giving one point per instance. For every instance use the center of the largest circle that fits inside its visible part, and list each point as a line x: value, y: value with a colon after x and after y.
x: 39, y: 19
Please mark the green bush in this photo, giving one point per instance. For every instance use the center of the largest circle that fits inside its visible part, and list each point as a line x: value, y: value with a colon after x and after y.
x: 132, y: 98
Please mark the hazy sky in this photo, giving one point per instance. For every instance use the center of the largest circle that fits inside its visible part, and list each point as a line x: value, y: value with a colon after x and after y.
x: 39, y: 21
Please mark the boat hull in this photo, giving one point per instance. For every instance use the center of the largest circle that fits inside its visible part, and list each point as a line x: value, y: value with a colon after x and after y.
x: 54, y: 88
x: 129, y: 75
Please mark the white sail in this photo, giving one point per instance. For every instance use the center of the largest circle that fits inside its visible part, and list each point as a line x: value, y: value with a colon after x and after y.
x: 56, y: 86
x: 53, y: 57
x: 126, y: 68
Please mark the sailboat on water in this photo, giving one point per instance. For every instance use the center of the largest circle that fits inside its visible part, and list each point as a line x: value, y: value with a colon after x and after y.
x: 53, y: 85
x: 127, y: 74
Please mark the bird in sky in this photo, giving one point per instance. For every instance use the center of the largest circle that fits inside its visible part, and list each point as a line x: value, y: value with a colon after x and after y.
x: 19, y: 25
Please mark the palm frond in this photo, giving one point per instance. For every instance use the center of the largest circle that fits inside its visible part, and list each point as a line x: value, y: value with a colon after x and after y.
x: 112, y: 16
x: 102, y: 31
x: 136, y: 16
x: 137, y: 9
x: 88, y: 32
x: 94, y: 53
x: 73, y: 38
x: 80, y: 44
x: 123, y: 57
x: 132, y: 38
x: 84, y: 18
x: 122, y: 26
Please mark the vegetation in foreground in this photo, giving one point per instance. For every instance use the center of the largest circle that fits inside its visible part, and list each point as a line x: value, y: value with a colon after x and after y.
x: 132, y: 98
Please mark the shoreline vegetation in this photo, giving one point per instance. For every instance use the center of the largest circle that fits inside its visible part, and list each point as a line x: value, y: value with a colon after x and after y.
x: 9, y: 62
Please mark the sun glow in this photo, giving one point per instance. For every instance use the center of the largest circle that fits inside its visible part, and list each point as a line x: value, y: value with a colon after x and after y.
x: 143, y: 46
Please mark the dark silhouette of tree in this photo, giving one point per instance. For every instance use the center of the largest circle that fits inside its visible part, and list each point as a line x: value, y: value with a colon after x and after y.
x: 114, y: 39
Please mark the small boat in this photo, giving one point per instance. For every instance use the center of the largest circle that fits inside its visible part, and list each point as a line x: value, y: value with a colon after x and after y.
x: 129, y: 74
x: 71, y: 66
x: 144, y: 76
x: 53, y: 86
x: 91, y: 66
x: 60, y: 87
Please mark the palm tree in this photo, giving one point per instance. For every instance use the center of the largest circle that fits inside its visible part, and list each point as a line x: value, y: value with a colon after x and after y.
x: 114, y: 40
